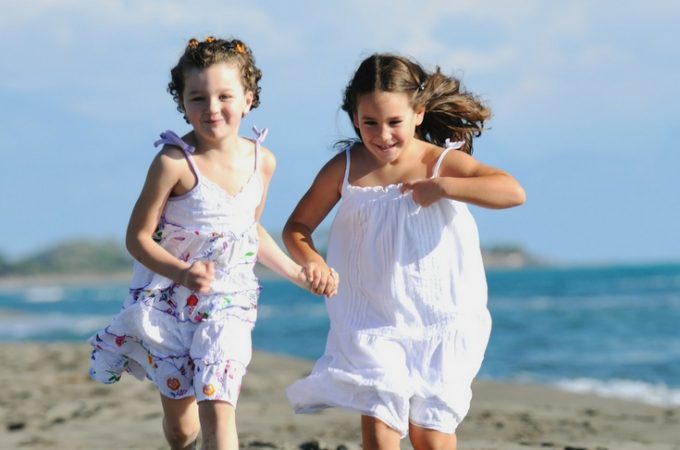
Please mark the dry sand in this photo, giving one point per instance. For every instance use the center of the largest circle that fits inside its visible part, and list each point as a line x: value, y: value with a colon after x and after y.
x: 48, y: 402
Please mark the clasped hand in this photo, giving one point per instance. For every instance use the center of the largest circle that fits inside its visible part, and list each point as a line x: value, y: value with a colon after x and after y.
x: 321, y: 279
x: 424, y: 192
x: 198, y: 276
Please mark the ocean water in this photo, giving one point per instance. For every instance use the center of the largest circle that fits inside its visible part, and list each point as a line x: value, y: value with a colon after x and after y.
x: 613, y: 331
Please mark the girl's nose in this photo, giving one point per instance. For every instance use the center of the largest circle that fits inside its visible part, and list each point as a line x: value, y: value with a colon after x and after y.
x: 385, y: 133
x: 213, y: 105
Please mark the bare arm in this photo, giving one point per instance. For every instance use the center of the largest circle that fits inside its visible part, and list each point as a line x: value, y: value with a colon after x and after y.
x: 269, y: 253
x: 163, y: 176
x: 465, y: 179
x: 314, y: 206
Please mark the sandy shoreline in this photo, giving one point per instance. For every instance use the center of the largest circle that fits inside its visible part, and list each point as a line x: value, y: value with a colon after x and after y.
x: 48, y: 402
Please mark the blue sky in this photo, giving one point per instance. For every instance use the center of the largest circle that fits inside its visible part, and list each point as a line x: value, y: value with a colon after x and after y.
x: 585, y: 99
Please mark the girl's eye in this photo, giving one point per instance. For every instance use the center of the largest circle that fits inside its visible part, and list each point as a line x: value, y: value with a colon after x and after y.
x: 196, y: 99
x: 395, y: 122
x: 225, y: 96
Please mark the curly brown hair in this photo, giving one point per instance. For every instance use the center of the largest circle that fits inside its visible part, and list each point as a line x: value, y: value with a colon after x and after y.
x: 450, y: 111
x: 203, y: 54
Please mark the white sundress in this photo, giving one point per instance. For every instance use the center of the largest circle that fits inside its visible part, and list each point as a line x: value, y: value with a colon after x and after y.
x: 409, y: 324
x: 191, y: 344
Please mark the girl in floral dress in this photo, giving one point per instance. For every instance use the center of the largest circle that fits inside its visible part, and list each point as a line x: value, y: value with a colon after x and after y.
x: 194, y: 233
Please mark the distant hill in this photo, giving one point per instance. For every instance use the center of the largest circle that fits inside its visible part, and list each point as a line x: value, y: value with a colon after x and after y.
x: 509, y: 256
x: 71, y: 257
x: 86, y: 257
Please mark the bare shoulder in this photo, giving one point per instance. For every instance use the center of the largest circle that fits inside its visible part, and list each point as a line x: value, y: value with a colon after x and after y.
x: 266, y: 160
x: 430, y: 153
x: 336, y: 164
x: 170, y: 159
x: 458, y: 163
x: 333, y: 172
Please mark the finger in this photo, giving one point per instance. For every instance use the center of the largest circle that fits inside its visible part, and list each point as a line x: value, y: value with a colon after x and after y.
x: 305, y: 276
x: 336, y: 276
x: 325, y: 284
x: 210, y: 266
x: 330, y: 291
x: 332, y: 288
x: 317, y: 281
x: 313, y: 279
x: 205, y: 285
x: 406, y: 186
x: 321, y: 289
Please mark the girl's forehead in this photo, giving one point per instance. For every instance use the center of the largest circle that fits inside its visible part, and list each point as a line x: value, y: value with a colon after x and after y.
x: 218, y: 73
x: 383, y: 100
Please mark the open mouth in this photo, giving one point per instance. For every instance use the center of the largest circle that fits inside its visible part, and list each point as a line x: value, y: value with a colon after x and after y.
x: 386, y: 148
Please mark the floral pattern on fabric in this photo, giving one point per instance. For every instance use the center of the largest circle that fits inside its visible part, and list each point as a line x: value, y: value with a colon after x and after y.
x: 189, y: 343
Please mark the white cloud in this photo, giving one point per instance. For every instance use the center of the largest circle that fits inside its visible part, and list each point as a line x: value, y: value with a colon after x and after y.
x: 69, y: 22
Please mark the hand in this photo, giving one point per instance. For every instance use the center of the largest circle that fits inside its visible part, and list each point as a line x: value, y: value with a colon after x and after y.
x: 332, y: 288
x: 320, y: 278
x: 198, y: 276
x: 425, y: 192
x: 300, y: 278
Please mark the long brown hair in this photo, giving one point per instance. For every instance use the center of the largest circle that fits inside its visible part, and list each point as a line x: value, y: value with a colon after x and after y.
x: 450, y: 111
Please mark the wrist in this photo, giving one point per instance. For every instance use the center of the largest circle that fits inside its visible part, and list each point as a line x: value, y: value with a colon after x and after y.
x: 293, y: 271
x: 180, y: 274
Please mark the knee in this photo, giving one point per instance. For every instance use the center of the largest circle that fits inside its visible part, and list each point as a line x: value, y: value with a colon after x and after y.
x: 180, y: 434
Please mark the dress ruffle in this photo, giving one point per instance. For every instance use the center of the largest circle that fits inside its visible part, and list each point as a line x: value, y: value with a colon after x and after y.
x: 371, y: 373
x: 153, y: 335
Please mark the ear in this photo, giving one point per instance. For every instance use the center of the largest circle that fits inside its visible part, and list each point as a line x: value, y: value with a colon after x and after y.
x: 420, y: 115
x: 355, y: 120
x: 183, y: 111
x: 249, y: 102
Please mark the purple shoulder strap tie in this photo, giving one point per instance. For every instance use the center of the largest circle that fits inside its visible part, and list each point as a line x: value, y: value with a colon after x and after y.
x: 261, y: 134
x: 169, y: 137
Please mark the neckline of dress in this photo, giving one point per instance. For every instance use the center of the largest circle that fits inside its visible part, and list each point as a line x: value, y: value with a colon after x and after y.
x: 226, y: 193
x: 378, y: 188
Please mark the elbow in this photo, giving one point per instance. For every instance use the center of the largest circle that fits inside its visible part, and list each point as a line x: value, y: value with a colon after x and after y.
x: 518, y: 196
x: 132, y: 244
x: 510, y: 198
x: 287, y: 234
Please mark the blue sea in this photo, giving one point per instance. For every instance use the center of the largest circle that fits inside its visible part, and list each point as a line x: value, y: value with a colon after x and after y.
x: 612, y: 331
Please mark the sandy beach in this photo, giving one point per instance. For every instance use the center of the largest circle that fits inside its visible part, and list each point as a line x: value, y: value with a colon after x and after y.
x: 48, y: 402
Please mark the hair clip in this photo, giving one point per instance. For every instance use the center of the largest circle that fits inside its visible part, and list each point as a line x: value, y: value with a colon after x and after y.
x: 239, y: 48
x: 192, y: 44
x: 421, y: 86
x: 210, y: 39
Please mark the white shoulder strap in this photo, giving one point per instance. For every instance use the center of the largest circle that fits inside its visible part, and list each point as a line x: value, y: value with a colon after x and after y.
x: 448, y: 146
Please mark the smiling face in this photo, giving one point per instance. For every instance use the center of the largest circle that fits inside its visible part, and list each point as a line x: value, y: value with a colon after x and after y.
x: 214, y: 101
x: 386, y: 123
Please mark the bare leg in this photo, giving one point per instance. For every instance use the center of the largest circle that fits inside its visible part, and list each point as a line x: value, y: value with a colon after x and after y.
x: 426, y: 439
x: 218, y: 424
x: 180, y: 422
x: 377, y: 435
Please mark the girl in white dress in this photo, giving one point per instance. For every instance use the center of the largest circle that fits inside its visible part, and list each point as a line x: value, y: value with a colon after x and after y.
x: 409, y: 325
x: 194, y: 232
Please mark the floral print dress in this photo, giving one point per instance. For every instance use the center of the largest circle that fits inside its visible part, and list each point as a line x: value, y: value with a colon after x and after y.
x: 186, y: 343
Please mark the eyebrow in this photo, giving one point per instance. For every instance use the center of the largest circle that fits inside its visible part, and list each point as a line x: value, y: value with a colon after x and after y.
x: 388, y: 119
x: 202, y: 91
